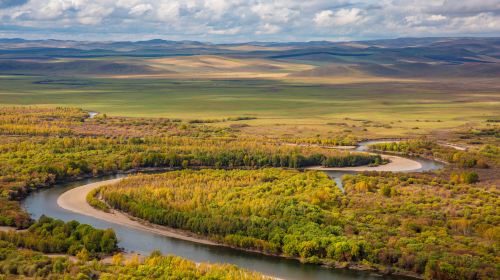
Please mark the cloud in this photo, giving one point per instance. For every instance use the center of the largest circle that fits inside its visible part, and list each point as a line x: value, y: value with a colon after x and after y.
x: 248, y: 20
x: 271, y: 12
x: 52, y: 9
x: 140, y: 9
x: 217, y: 7
x: 212, y: 10
x: 93, y: 14
x: 267, y: 29
x: 423, y: 20
x: 436, y: 18
x: 324, y: 18
x: 228, y: 31
x: 467, y: 7
x: 480, y: 23
x: 168, y: 11
x: 340, y: 17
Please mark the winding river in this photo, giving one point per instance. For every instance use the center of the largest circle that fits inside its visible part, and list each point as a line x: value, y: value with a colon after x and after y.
x: 143, y: 242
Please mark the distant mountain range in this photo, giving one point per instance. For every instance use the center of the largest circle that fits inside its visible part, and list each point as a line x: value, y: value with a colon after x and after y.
x: 404, y: 57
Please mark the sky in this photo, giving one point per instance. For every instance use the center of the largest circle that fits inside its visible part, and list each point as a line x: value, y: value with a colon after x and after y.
x: 223, y: 21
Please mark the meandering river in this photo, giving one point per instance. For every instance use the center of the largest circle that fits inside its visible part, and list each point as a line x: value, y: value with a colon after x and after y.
x: 44, y: 202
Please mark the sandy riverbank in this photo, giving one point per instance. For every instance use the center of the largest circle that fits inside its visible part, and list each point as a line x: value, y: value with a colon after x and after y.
x: 396, y: 164
x: 75, y: 200
x: 3, y: 228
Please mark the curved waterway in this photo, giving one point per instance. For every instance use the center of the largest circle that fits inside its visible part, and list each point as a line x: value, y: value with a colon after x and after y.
x: 425, y: 164
x: 44, y: 202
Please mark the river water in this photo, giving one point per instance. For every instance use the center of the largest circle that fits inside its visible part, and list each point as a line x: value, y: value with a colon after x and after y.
x: 44, y: 202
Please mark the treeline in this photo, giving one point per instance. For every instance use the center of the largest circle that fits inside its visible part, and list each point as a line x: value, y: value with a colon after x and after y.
x: 353, y: 160
x: 331, y: 141
x: 39, y: 121
x: 431, y: 149
x: 49, y: 235
x: 16, y: 263
x: 417, y: 223
x: 49, y: 160
x: 157, y: 266
x: 44, y: 130
x: 36, y: 121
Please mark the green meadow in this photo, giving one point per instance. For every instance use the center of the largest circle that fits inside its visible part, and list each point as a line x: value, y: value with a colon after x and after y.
x: 404, y: 108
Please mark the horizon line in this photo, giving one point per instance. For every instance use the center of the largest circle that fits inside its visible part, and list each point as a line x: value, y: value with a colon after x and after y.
x: 253, y: 42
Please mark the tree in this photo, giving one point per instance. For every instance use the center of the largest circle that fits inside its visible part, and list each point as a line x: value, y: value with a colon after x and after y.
x: 133, y: 260
x: 83, y: 255
x: 108, y: 241
x: 117, y: 259
x: 385, y: 190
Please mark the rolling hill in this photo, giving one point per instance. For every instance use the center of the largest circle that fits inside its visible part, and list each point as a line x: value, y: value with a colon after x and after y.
x: 427, y: 58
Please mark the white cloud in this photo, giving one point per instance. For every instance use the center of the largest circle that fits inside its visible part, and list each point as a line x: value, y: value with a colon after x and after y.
x: 483, y: 22
x: 216, y: 8
x: 324, y: 18
x: 168, y: 11
x: 92, y: 14
x: 436, y: 18
x: 228, y: 31
x: 273, y: 13
x: 52, y: 9
x: 340, y: 17
x: 267, y: 29
x: 140, y: 9
x: 423, y: 20
x: 246, y: 20
x: 127, y: 4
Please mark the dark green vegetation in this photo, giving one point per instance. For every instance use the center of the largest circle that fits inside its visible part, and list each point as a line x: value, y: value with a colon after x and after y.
x: 36, y: 151
x: 54, y: 236
x: 423, y: 223
x: 26, y: 264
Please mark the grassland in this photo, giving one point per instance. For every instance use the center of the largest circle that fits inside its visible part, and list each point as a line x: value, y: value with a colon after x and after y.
x: 280, y: 108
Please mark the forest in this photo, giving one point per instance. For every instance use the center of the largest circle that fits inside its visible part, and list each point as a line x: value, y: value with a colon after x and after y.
x: 48, y: 235
x: 40, y: 152
x: 428, y: 225
x: 245, y: 191
x: 18, y: 263
x: 42, y: 252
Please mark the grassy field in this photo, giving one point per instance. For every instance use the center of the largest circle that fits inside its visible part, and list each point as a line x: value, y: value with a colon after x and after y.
x: 383, y: 109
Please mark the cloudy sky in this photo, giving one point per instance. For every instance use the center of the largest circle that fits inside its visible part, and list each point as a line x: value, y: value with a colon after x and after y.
x: 247, y: 20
